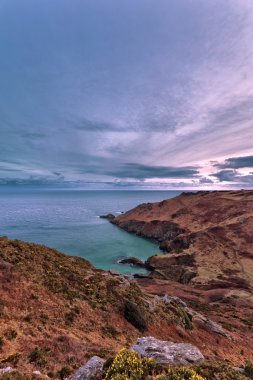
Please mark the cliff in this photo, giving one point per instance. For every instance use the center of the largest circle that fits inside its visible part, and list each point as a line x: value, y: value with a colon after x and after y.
x: 206, y: 238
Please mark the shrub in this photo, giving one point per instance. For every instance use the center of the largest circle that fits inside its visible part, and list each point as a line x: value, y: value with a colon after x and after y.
x: 135, y: 316
x: 65, y: 372
x: 219, y: 371
x: 110, y: 331
x: 12, y: 358
x: 39, y: 356
x: 2, y: 304
x: 70, y: 317
x: 1, y: 341
x: 10, y: 334
x: 180, y: 374
x: 249, y: 369
x: 129, y: 365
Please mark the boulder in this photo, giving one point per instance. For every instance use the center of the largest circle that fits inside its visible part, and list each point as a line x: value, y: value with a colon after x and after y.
x: 168, y: 352
x: 91, y: 369
x: 133, y: 261
x: 173, y: 300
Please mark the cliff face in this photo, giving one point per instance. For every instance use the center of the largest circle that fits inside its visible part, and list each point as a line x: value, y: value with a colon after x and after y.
x: 206, y: 237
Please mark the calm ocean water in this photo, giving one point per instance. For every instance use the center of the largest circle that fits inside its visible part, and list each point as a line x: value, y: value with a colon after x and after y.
x: 68, y: 220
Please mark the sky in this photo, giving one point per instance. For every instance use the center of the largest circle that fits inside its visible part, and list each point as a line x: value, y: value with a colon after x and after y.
x: 126, y: 94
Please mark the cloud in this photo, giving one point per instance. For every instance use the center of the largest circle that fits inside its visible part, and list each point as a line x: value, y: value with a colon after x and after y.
x: 236, y: 163
x: 138, y: 171
x: 226, y: 175
x: 136, y: 90
x: 233, y: 176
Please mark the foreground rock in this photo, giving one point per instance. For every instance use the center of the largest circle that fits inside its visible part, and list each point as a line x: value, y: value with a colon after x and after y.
x: 90, y: 370
x: 168, y: 352
x: 206, y: 236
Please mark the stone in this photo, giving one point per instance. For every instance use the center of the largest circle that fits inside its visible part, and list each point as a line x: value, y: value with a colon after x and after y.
x: 37, y: 373
x: 114, y: 272
x: 216, y: 328
x: 173, y: 300
x: 133, y: 261
x: 91, y: 369
x: 6, y: 370
x: 168, y: 352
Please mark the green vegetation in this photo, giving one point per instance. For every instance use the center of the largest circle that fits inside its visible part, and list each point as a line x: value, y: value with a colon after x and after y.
x: 65, y: 372
x: 219, y: 371
x: 249, y: 369
x: 10, y: 334
x: 12, y: 359
x: 135, y: 315
x: 129, y: 365
x: 39, y: 356
x: 180, y: 374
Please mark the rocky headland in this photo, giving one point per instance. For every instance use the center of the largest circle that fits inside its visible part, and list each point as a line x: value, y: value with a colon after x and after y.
x: 206, y: 239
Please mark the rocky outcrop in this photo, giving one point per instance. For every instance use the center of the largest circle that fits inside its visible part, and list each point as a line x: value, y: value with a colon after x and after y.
x: 206, y: 237
x: 90, y: 370
x: 168, y: 352
x: 107, y: 216
x: 196, y: 318
x: 173, y: 267
x: 133, y: 261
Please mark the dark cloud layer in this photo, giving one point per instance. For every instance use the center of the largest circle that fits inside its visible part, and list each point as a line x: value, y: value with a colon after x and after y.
x: 138, y: 171
x: 236, y: 163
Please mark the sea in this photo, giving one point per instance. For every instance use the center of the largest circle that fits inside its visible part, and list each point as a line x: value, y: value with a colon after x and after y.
x: 68, y: 220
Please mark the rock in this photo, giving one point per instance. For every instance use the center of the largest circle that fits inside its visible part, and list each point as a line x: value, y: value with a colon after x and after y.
x: 216, y: 328
x: 37, y: 373
x: 132, y: 261
x: 114, y: 272
x: 173, y: 300
x: 107, y: 216
x: 6, y: 370
x: 239, y: 369
x: 92, y: 368
x: 141, y: 275
x: 168, y: 352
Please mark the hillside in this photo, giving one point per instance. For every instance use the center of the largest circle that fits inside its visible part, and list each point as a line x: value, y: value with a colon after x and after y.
x: 206, y: 238
x: 58, y: 311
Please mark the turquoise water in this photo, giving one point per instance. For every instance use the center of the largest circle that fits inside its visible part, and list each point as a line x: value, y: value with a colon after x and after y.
x: 68, y: 220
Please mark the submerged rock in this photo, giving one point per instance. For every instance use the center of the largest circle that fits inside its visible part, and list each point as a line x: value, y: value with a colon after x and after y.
x: 91, y: 369
x: 168, y: 352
